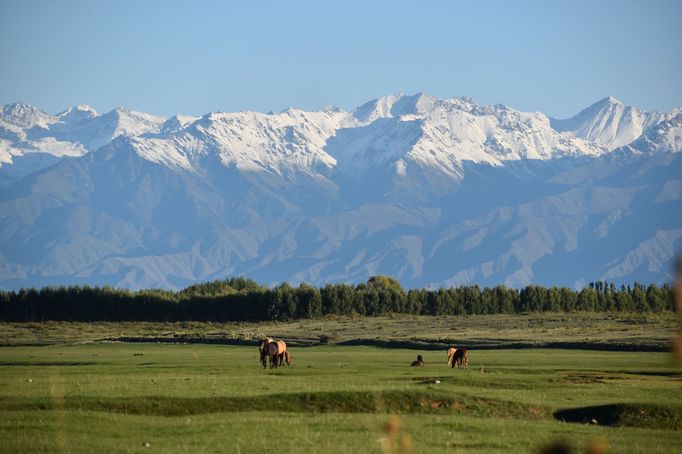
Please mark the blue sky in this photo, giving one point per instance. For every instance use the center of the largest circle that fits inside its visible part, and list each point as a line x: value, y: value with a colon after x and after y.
x: 168, y: 57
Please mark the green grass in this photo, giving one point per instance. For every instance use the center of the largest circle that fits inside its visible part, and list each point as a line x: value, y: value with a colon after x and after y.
x: 216, y: 398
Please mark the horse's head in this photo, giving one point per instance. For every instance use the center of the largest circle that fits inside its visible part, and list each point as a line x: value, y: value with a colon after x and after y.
x: 289, y: 357
x: 263, y: 343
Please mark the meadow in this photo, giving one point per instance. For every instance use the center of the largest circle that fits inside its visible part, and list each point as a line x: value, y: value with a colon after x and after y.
x: 108, y: 396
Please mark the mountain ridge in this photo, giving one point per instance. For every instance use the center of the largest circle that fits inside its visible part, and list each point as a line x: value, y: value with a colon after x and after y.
x: 433, y: 191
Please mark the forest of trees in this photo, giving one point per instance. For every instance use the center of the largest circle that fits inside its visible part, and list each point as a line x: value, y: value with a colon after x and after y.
x: 239, y: 299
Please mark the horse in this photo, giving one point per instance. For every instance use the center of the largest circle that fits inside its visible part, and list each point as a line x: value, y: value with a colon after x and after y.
x: 419, y: 362
x: 461, y: 358
x: 451, y: 355
x: 278, y: 354
x: 262, y: 347
x: 273, y: 354
x: 283, y: 353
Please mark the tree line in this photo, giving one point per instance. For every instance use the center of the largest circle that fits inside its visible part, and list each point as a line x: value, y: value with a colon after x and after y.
x: 239, y: 299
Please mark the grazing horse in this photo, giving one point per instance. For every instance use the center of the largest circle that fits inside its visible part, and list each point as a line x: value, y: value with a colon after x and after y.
x: 278, y: 354
x: 451, y: 355
x: 263, y: 348
x: 419, y: 362
x: 461, y: 358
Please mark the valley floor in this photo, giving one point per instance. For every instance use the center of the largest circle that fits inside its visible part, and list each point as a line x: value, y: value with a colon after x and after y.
x: 66, y: 387
x: 216, y: 398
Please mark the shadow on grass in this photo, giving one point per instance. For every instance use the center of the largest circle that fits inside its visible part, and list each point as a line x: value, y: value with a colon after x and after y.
x: 649, y: 416
x: 322, y: 402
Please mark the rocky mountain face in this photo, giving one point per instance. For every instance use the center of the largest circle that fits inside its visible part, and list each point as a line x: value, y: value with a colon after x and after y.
x: 431, y: 191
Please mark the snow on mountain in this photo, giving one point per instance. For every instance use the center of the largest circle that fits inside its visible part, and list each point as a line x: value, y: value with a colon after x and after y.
x: 399, y: 134
x: 413, y: 135
x: 77, y: 114
x: 609, y: 123
x: 22, y: 115
x: 664, y: 137
x: 31, y: 139
x: 98, y: 130
x: 272, y: 143
x: 177, y: 122
x: 23, y: 149
x: 278, y: 144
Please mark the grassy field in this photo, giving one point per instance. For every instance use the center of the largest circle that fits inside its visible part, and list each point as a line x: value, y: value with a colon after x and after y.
x: 215, y: 398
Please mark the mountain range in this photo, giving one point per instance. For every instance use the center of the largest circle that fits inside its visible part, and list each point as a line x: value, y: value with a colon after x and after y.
x: 435, y: 192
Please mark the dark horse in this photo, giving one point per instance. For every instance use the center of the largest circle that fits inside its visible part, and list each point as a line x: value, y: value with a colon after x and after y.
x: 419, y: 362
x: 460, y: 358
x: 263, y: 348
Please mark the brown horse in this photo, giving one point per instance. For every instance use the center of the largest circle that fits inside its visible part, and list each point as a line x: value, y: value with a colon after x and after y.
x: 278, y: 353
x: 263, y: 349
x: 419, y: 362
x: 283, y: 353
x: 451, y: 355
x: 461, y: 359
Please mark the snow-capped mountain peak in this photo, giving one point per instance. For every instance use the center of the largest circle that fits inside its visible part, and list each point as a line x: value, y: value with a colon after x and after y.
x: 609, y: 100
x: 405, y: 133
x: 25, y: 115
x: 77, y: 114
x: 178, y: 122
x: 126, y: 122
x: 413, y: 133
x: 376, y: 108
x: 608, y: 123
